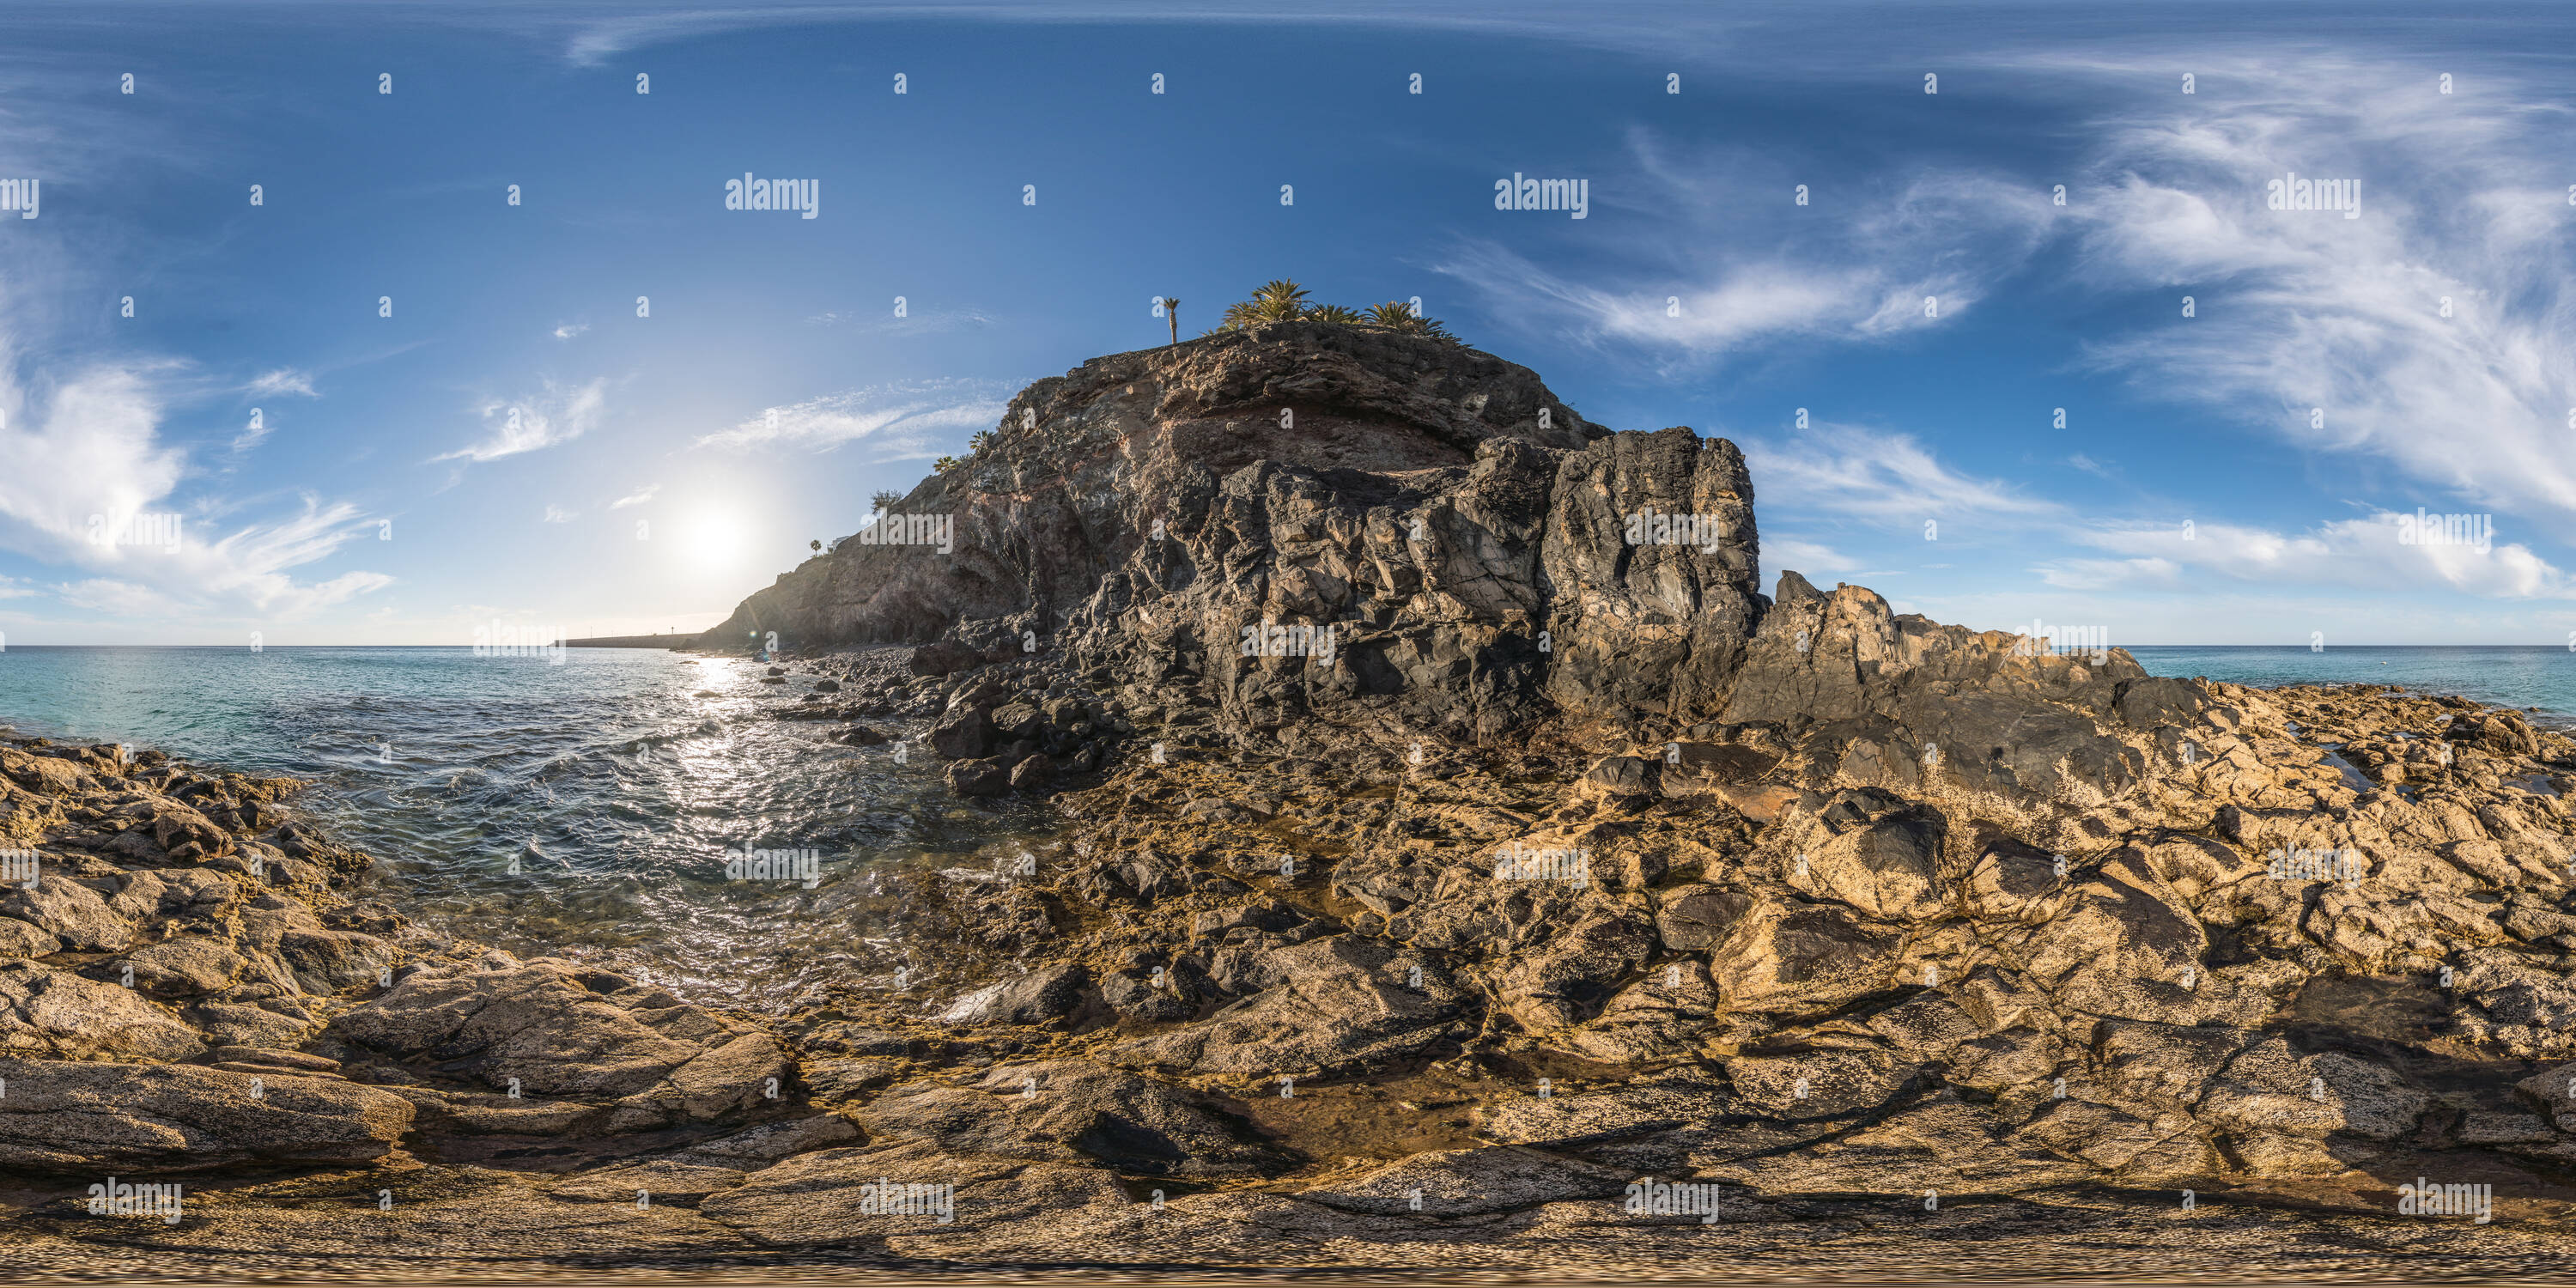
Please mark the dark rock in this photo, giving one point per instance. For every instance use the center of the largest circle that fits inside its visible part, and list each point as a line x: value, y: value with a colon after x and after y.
x: 1032, y: 774
x: 1073, y: 1110
x: 61, y: 1116
x: 979, y: 778
x: 945, y: 657
x: 965, y: 734
x: 1045, y: 993
x: 1695, y: 918
x: 1340, y: 1002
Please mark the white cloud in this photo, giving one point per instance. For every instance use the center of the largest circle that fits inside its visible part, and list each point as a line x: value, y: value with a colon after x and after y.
x: 558, y: 415
x: 1742, y: 266
x: 284, y: 380
x: 1807, y: 558
x: 637, y: 497
x: 252, y: 435
x: 1882, y: 477
x: 558, y: 514
x: 918, y: 321
x: 2107, y: 574
x: 2364, y: 554
x: 906, y: 416
x: 568, y: 330
x: 2301, y: 310
x: 2461, y: 197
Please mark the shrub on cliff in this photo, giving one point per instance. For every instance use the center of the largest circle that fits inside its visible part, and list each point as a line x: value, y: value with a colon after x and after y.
x: 1280, y: 300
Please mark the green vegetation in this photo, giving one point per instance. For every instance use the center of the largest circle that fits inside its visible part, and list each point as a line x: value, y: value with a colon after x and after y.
x: 1284, y: 301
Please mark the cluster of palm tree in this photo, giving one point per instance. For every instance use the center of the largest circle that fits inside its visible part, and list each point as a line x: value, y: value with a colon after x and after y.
x: 1285, y: 301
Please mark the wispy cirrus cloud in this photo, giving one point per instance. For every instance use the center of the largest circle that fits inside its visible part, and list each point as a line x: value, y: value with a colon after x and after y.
x: 2373, y: 553
x: 558, y: 415
x: 281, y: 382
x: 905, y: 419
x: 87, y: 462
x: 1881, y: 477
x: 1737, y: 264
x: 2436, y: 332
x: 636, y: 497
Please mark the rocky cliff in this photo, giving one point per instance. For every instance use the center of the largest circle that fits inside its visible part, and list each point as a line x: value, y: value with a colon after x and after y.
x: 1572, y: 827
x: 1462, y: 864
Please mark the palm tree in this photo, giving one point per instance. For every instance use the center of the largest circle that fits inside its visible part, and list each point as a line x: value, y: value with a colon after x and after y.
x: 983, y: 438
x: 1335, y: 313
x: 945, y: 464
x: 1398, y: 316
x: 1172, y: 314
x: 1277, y: 300
x: 885, y: 500
x: 816, y: 545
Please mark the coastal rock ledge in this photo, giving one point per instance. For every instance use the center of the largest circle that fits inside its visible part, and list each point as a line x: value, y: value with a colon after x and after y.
x: 1464, y: 864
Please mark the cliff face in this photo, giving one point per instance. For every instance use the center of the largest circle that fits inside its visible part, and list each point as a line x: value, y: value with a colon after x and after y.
x: 1086, y: 464
x: 1306, y: 520
x: 1461, y: 532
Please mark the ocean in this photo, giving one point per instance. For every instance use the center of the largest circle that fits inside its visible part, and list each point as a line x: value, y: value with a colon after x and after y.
x: 617, y: 782
x: 2513, y: 675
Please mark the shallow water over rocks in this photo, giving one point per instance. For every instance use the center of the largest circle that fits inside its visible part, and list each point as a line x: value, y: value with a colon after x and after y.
x: 582, y: 809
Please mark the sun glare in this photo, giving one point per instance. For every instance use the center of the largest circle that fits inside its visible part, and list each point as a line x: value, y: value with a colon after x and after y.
x: 714, y: 540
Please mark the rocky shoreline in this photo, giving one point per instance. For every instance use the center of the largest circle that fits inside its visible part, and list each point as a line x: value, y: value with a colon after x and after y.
x: 1553, y: 902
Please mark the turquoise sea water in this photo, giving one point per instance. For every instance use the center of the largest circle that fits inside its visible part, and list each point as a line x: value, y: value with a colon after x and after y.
x: 2513, y: 675
x: 616, y: 781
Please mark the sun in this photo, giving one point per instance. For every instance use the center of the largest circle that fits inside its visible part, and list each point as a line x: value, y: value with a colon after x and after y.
x: 714, y: 539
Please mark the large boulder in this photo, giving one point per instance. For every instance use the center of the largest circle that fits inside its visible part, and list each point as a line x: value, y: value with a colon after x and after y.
x: 1801, y: 959
x: 1072, y: 1111
x: 1341, y: 1002
x: 57, y: 1014
x: 69, y: 911
x: 61, y: 1116
x: 555, y: 1029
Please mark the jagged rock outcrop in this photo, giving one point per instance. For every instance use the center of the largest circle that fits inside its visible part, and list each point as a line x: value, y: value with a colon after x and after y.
x: 1969, y: 909
x: 1422, y: 524
x: 1530, y: 863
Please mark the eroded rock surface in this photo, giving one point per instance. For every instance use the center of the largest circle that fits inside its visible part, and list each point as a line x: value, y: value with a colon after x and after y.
x: 1454, y: 837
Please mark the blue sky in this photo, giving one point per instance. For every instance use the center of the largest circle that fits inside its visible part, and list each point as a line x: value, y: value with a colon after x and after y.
x: 514, y: 443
